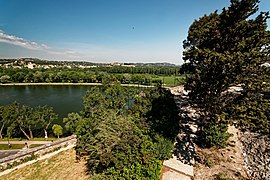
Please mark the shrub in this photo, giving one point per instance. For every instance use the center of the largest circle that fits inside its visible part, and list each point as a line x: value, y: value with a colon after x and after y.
x: 214, y: 135
x: 163, y: 147
x: 221, y: 176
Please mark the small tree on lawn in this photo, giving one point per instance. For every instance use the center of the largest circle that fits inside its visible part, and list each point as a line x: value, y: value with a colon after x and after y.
x: 57, y: 130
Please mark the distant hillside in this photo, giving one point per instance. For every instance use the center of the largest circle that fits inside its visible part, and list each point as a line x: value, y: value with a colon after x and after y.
x: 152, y: 64
x: 82, y: 63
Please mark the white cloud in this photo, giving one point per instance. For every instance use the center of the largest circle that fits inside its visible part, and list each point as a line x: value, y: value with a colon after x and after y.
x: 18, y: 41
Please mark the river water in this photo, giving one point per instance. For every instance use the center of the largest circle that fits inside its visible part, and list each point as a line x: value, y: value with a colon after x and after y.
x: 63, y: 98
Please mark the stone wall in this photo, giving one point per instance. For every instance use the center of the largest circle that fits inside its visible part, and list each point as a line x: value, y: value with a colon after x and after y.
x: 256, y: 152
x: 38, y: 151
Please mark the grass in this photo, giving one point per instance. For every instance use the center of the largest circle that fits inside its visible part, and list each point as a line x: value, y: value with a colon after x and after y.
x: 35, y: 145
x: 16, y: 146
x: 23, y: 139
x: 43, y: 139
x: 62, y: 166
x: 171, y: 80
x: 13, y: 146
x: 222, y: 176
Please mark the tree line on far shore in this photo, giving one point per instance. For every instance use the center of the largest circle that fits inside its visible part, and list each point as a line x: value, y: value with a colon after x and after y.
x: 125, y: 75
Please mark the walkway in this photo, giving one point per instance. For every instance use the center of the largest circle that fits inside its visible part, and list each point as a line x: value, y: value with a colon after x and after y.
x: 9, y: 152
x: 180, y: 166
x: 6, y: 153
x: 25, y: 141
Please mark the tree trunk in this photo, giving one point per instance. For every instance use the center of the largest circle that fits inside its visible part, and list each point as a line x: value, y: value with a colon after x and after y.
x: 58, y: 136
x: 46, y: 134
x: 1, y: 130
x: 24, y: 133
x: 31, y: 133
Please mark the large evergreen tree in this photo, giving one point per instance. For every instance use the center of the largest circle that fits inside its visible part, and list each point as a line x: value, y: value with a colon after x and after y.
x: 224, y: 50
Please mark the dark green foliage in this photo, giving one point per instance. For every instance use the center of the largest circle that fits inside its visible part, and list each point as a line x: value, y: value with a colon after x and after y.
x: 252, y: 113
x: 20, y: 120
x: 118, y: 135
x: 118, y: 144
x: 71, y: 122
x: 163, y: 147
x: 224, y: 50
x: 164, y: 109
x: 221, y: 176
x: 213, y: 135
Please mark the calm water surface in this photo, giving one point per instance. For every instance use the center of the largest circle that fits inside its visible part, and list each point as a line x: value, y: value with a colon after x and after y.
x: 63, y: 99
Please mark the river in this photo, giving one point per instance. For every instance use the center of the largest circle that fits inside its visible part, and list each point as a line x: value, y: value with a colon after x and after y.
x: 63, y: 98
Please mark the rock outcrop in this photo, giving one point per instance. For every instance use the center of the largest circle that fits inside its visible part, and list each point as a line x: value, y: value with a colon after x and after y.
x: 256, y: 151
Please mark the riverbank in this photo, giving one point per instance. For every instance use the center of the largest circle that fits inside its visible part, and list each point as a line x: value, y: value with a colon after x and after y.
x: 69, y: 84
x: 42, y: 84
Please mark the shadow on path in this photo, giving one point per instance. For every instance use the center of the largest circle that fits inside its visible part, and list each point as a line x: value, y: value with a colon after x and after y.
x: 184, y: 148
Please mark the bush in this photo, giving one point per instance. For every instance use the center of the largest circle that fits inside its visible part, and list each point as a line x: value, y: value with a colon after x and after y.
x: 163, y: 147
x: 214, y: 135
x: 221, y: 176
x: 126, y: 132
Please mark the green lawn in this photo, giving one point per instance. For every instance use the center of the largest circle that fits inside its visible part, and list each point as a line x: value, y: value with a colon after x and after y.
x: 23, y: 139
x: 35, y: 145
x: 13, y: 146
x: 43, y: 139
x: 171, y: 80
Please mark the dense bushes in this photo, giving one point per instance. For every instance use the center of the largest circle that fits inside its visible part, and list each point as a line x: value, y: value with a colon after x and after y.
x: 213, y: 135
x: 252, y: 113
x: 119, y: 132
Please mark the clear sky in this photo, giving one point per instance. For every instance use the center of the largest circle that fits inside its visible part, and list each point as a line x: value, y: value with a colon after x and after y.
x: 101, y: 30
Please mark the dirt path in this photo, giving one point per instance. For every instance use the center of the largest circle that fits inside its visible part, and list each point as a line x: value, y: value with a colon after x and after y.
x: 180, y: 166
x: 23, y: 142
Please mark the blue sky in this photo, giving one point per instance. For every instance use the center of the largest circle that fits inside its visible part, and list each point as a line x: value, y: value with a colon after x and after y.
x: 101, y: 30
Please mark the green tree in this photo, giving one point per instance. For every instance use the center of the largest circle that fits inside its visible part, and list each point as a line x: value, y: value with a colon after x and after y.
x: 117, y: 148
x: 57, y: 130
x: 8, y: 114
x: 2, y: 121
x: 224, y: 50
x: 72, y: 121
x: 5, y: 79
x: 44, y: 116
x: 38, y: 76
x: 24, y: 120
x: 18, y: 77
x: 118, y: 134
